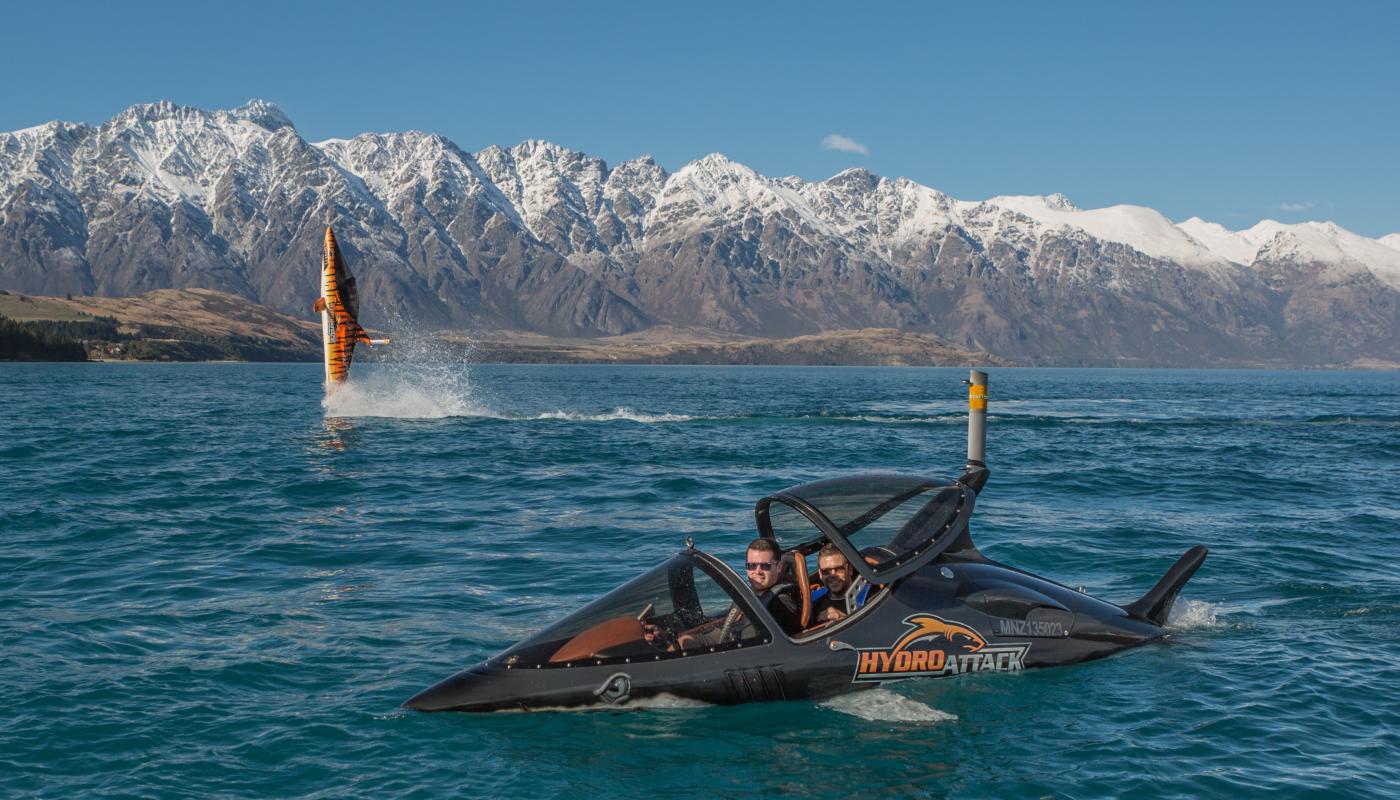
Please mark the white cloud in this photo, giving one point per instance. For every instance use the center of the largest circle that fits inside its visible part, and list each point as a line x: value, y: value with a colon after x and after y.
x: 1294, y: 206
x: 845, y: 144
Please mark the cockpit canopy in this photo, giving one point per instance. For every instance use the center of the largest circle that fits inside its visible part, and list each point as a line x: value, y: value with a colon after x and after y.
x: 684, y: 606
x: 886, y: 525
x: 898, y: 522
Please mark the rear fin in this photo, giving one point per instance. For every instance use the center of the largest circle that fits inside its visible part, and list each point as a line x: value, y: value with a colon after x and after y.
x: 963, y: 547
x: 1157, y: 603
x: 319, y: 306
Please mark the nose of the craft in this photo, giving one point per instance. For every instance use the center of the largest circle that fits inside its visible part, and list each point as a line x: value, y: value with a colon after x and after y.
x: 467, y: 690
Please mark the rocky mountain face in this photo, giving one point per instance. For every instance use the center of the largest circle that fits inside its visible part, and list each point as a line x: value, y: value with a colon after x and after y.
x: 537, y: 237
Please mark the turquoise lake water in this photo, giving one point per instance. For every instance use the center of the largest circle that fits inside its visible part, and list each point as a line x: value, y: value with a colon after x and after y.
x: 214, y: 586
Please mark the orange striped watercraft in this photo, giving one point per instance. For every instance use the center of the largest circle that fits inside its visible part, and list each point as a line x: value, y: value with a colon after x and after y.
x: 339, y: 305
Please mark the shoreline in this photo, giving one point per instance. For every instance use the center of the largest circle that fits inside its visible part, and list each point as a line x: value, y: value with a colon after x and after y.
x: 206, y: 326
x: 1374, y: 369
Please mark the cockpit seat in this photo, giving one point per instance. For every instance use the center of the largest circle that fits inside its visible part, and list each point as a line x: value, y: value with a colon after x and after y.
x: 804, y: 585
x: 605, y: 636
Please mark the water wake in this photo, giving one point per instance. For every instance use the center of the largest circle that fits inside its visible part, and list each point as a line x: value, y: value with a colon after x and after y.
x: 380, y: 396
x: 619, y: 413
x: 888, y: 419
x: 1190, y: 615
x: 658, y: 702
x: 883, y: 705
x: 421, y: 377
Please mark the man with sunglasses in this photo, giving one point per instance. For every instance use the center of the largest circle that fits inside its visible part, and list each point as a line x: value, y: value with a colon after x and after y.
x: 766, y: 569
x: 829, y: 601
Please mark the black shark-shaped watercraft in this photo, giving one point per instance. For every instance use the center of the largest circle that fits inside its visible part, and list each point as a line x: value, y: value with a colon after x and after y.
x: 933, y: 606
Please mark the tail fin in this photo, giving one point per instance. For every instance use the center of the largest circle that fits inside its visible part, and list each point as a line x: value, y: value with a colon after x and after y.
x: 1157, y: 603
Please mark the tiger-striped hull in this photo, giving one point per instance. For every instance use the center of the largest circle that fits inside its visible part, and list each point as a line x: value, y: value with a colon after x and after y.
x: 338, y: 304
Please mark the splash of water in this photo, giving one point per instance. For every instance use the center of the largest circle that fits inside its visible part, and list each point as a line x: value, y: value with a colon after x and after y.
x: 421, y: 377
x: 1195, y: 615
x: 883, y: 705
x: 664, y: 701
x: 376, y: 397
x: 417, y: 377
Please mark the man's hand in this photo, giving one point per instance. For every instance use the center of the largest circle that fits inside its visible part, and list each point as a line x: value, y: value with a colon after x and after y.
x: 655, y: 637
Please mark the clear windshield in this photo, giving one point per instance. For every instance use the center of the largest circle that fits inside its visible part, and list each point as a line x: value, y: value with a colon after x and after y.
x: 886, y: 519
x: 790, y: 527
x: 906, y: 527
x: 676, y: 609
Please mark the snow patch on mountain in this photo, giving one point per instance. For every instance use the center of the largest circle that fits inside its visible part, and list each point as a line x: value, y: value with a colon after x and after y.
x: 1304, y: 243
x: 171, y: 153
x: 263, y: 114
x: 1222, y: 241
x: 558, y: 192
x: 629, y: 195
x: 880, y: 215
x: 42, y: 154
x: 1327, y: 243
x: 399, y: 168
x: 1143, y: 229
x: 716, y: 188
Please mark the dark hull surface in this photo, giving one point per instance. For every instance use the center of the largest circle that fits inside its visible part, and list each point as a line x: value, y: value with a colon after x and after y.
x: 952, y: 617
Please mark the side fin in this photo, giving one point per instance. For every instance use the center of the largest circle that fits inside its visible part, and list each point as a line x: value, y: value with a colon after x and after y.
x: 319, y: 305
x: 358, y: 334
x: 1157, y: 603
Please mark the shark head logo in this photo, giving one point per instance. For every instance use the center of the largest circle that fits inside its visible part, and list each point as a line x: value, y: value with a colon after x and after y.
x: 927, y: 626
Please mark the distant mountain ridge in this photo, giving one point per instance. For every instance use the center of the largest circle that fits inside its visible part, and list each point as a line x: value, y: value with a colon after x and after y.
x: 540, y: 238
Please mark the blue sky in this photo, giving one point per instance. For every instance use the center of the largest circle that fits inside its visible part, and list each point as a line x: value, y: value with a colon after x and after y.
x: 1228, y: 110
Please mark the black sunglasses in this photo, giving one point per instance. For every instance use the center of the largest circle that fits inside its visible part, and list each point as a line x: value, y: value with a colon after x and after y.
x: 755, y: 566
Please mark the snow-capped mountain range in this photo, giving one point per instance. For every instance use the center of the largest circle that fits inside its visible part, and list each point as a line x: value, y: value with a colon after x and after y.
x: 539, y: 237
